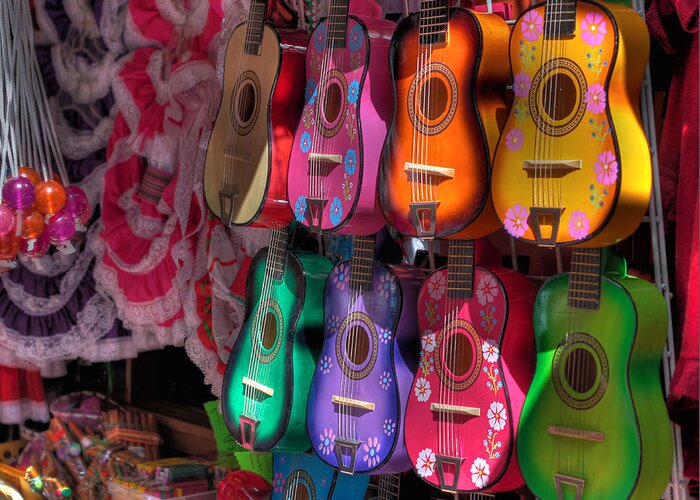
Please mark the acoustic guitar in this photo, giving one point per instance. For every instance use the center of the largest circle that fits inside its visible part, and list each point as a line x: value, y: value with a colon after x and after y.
x: 475, y: 367
x: 269, y: 371
x: 245, y: 173
x: 572, y: 166
x: 449, y: 68
x: 334, y: 163
x: 594, y: 423
x: 359, y: 390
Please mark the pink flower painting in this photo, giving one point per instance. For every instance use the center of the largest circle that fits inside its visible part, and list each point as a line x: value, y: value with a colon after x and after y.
x: 579, y: 225
x: 514, y: 139
x: 516, y: 221
x: 522, y: 84
x: 593, y: 29
x: 595, y: 99
x: 532, y: 25
x: 606, y: 168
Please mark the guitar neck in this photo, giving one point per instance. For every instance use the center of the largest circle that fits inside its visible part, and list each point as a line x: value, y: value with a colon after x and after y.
x: 460, y: 269
x: 432, y: 24
x: 584, y: 279
x: 277, y: 254
x: 560, y: 19
x: 362, y: 262
x: 255, y: 26
x: 337, y: 24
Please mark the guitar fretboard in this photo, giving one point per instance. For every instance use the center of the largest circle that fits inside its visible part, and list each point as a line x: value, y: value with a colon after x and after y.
x: 432, y: 26
x: 277, y: 253
x: 337, y: 24
x: 584, y: 279
x: 255, y: 26
x: 560, y: 19
x: 362, y: 262
x: 460, y: 269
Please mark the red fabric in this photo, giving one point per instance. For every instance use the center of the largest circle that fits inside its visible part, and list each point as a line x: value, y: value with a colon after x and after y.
x: 674, y: 23
x: 21, y: 396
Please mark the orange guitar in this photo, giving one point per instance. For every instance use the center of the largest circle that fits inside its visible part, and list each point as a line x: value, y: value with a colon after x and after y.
x: 449, y: 70
x: 572, y: 166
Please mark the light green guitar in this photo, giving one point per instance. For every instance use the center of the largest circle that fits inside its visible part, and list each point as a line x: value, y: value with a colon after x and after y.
x: 267, y: 378
x: 594, y: 424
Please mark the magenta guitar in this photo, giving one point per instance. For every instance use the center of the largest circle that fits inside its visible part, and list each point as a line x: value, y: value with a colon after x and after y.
x: 476, y: 366
x: 334, y: 163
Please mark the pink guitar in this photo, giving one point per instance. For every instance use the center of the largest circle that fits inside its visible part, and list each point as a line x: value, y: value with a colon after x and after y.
x: 334, y: 164
x: 475, y: 368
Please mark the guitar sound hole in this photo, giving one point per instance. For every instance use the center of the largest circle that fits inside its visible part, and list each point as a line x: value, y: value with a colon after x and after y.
x: 269, y: 331
x: 458, y: 355
x: 332, y: 102
x: 559, y: 96
x: 580, y: 370
x: 301, y: 492
x: 246, y: 103
x: 357, y: 345
x: 433, y: 98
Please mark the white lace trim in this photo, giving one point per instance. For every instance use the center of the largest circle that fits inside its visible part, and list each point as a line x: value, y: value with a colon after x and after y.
x: 126, y: 105
x: 92, y: 185
x: 133, y: 39
x: 85, y: 81
x: 82, y: 16
x: 112, y: 24
x: 189, y: 19
x: 16, y: 412
x: 46, y: 34
x: 48, y: 265
x: 79, y: 144
x: 145, y: 227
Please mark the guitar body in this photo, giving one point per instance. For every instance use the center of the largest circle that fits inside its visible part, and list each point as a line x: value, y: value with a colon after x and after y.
x: 489, y: 369
x: 622, y: 399
x: 582, y: 161
x: 456, y: 128
x: 249, y: 147
x: 300, y: 475
x: 369, y: 354
x: 346, y: 112
x: 279, y: 353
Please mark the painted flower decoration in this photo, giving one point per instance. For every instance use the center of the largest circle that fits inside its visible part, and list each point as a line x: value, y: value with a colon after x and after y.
x: 336, y: 210
x: 372, y: 448
x: 278, y: 482
x: 355, y: 38
x: 384, y: 335
x: 422, y: 389
x: 333, y: 322
x: 327, y: 442
x: 425, y: 463
x: 320, y: 37
x: 593, y: 29
x: 428, y: 341
x: 497, y: 416
x: 514, y: 139
x: 353, y: 91
x: 350, y: 161
x: 305, y: 143
x: 389, y: 426
x: 310, y: 91
x: 325, y: 364
x: 386, y: 285
x: 606, y: 168
x: 385, y: 380
x: 516, y: 221
x: 480, y: 471
x: 437, y: 285
x: 532, y: 25
x: 300, y: 208
x: 595, y: 98
x: 487, y: 289
x: 490, y: 351
x: 341, y: 275
x: 522, y: 84
x: 579, y: 225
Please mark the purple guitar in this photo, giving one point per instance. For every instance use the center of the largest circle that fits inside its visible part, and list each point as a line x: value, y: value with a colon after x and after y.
x: 359, y: 391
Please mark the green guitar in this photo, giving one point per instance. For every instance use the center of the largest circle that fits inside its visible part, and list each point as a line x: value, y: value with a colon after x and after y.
x: 594, y: 424
x: 267, y: 378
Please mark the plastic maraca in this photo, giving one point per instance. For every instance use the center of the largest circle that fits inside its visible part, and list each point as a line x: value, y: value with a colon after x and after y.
x: 35, y: 247
x: 18, y: 193
x: 7, y: 220
x: 32, y: 224
x: 61, y: 228
x: 31, y: 174
x: 77, y: 205
x: 9, y: 247
x: 50, y: 197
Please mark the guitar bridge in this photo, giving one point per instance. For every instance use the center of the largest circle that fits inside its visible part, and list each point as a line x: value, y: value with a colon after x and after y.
x: 455, y: 464
x: 314, y: 213
x: 247, y: 427
x: 544, y: 222
x: 423, y: 214
x: 227, y: 203
x: 417, y: 169
x: 550, y: 169
x: 350, y: 404
x: 346, y: 448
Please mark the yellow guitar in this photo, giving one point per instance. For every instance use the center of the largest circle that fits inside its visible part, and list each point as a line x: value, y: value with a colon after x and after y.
x: 572, y: 166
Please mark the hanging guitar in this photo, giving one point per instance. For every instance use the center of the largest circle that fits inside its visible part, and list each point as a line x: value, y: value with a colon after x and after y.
x: 245, y: 173
x: 298, y: 476
x: 449, y: 68
x: 572, y: 166
x: 476, y: 364
x: 335, y: 159
x: 359, y: 390
x: 269, y: 370
x: 594, y: 423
